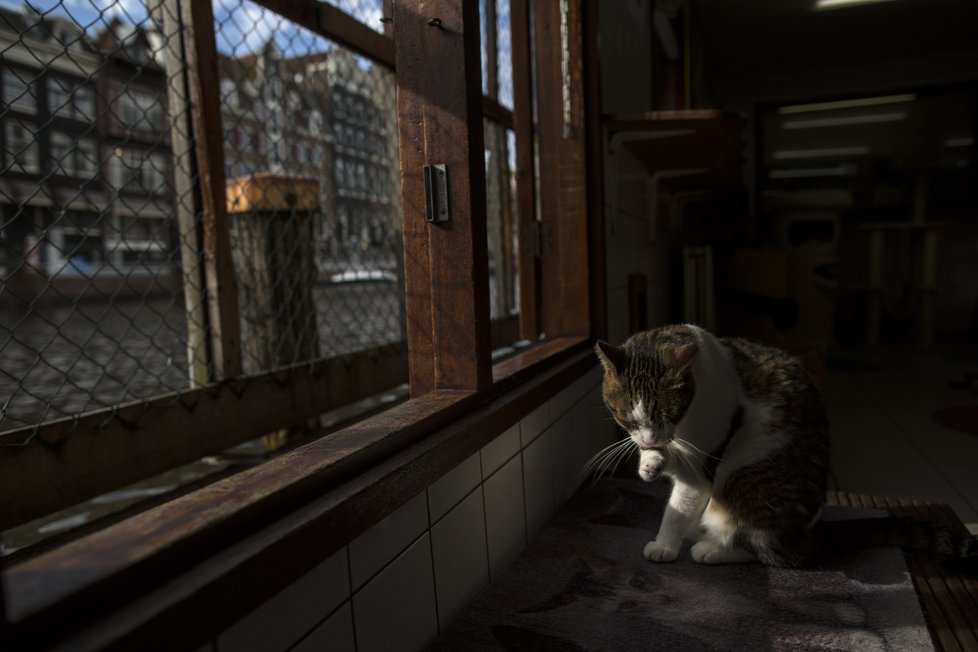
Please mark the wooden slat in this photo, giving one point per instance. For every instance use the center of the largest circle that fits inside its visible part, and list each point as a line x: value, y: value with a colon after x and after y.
x: 446, y: 264
x: 529, y: 262
x: 326, y: 20
x: 69, y: 461
x: 222, y: 295
x: 181, y: 128
x: 202, y: 561
x: 565, y: 295
x: 946, y: 602
x: 953, y: 596
x: 924, y: 576
x: 492, y: 53
x: 595, y: 173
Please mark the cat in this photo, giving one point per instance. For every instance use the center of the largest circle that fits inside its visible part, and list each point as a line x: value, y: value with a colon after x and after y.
x: 742, y: 431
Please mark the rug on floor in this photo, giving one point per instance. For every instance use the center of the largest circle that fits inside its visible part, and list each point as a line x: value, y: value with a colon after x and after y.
x: 582, y: 584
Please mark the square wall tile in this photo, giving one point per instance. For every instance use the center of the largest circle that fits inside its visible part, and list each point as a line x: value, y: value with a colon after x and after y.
x: 538, y: 485
x: 571, y: 449
x: 500, y: 450
x: 288, y: 616
x: 335, y: 634
x: 396, y: 609
x: 458, y: 544
x: 448, y: 490
x: 373, y: 549
x: 569, y: 397
x: 505, y: 516
x: 533, y: 424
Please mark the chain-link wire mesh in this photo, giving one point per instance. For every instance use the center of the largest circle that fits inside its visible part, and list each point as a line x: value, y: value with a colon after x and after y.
x: 91, y: 305
x: 308, y: 121
x: 100, y: 260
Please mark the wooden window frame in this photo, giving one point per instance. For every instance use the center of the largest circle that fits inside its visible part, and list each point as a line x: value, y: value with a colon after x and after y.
x: 167, y: 573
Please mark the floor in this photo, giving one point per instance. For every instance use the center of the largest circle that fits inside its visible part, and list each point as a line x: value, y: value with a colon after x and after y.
x: 884, y: 439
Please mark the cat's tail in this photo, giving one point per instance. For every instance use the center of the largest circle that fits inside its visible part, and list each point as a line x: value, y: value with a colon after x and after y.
x: 901, y: 531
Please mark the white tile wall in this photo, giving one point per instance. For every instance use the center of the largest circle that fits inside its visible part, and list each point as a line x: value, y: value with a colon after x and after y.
x: 505, y: 522
x: 451, y: 488
x: 538, y: 484
x: 335, y: 634
x: 533, y: 424
x: 396, y: 609
x: 371, y: 551
x: 500, y: 450
x: 458, y: 546
x: 413, y: 571
x: 288, y: 616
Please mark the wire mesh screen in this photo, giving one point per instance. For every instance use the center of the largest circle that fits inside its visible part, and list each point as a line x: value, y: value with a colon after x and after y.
x: 91, y: 306
x: 310, y: 145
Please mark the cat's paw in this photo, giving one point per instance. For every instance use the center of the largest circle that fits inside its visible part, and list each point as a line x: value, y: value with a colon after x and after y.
x: 710, y: 552
x: 660, y: 552
x: 706, y: 552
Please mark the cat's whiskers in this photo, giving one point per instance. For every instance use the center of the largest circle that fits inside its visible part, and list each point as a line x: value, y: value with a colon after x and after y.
x: 606, y: 457
x: 685, y: 442
x: 687, y: 458
x: 626, y: 451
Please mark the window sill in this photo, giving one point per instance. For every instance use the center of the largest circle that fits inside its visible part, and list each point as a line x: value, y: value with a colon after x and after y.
x: 195, y: 565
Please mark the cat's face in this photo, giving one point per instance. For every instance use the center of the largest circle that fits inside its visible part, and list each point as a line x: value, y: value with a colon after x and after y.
x: 648, y: 386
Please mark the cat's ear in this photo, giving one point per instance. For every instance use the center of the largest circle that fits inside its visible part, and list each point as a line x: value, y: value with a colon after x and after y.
x: 679, y: 356
x: 612, y: 358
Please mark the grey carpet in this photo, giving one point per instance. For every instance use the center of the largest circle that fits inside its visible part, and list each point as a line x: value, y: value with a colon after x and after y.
x: 583, y: 584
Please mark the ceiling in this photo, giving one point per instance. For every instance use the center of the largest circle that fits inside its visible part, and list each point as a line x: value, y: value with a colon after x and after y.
x: 748, y: 37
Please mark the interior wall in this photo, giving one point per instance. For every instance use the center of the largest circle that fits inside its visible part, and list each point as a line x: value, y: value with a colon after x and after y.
x: 624, y: 44
x: 399, y: 583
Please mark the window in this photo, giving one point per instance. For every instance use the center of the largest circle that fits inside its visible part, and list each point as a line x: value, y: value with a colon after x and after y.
x: 140, y: 111
x: 71, y: 99
x: 75, y: 157
x: 18, y: 90
x: 21, y: 149
x: 136, y: 171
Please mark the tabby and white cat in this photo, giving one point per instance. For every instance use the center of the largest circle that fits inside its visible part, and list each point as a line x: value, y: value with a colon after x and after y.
x: 741, y: 430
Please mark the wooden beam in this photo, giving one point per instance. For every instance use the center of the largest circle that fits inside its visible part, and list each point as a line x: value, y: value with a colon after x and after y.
x: 71, y: 460
x: 496, y: 112
x: 446, y: 264
x: 564, y: 292
x: 523, y: 128
x: 492, y: 52
x: 326, y: 20
x: 181, y: 130
x: 595, y: 174
x: 222, y: 294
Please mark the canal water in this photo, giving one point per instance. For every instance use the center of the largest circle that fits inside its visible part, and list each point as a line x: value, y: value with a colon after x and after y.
x: 57, y: 361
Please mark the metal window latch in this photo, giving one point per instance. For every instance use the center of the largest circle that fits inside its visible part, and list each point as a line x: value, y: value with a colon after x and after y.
x: 436, y: 193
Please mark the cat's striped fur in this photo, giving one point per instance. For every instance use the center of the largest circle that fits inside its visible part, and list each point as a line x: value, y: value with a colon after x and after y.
x: 741, y: 430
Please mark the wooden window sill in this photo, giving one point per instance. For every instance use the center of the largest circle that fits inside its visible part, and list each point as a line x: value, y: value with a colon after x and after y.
x: 195, y: 565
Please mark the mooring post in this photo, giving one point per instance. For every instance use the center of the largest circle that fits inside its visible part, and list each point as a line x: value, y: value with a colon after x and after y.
x: 272, y: 223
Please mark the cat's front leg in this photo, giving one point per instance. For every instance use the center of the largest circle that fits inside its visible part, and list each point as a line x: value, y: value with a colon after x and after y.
x: 685, y: 507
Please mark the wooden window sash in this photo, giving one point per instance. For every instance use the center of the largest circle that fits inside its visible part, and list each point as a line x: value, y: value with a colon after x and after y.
x: 446, y: 265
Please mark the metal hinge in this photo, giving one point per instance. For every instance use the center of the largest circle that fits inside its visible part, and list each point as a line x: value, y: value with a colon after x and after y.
x: 436, y: 193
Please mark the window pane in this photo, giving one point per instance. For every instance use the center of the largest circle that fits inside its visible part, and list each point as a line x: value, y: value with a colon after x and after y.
x: 331, y: 121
